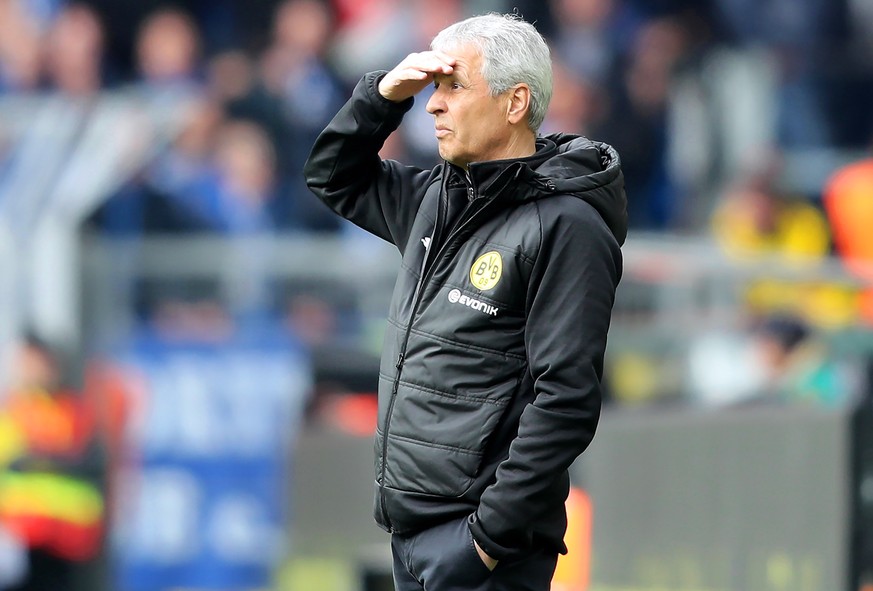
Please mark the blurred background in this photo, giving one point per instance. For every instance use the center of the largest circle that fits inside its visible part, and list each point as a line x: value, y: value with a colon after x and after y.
x: 189, y: 341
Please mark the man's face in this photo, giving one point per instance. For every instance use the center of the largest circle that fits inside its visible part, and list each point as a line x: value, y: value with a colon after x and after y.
x: 471, y: 125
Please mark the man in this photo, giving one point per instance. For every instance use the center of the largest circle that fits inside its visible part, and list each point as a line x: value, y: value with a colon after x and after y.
x: 490, y: 375
x: 51, y: 472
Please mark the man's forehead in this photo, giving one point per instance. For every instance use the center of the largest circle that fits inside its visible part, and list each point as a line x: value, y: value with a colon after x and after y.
x: 467, y: 58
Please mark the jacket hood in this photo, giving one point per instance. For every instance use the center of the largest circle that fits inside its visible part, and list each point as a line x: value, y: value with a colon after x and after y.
x: 567, y: 165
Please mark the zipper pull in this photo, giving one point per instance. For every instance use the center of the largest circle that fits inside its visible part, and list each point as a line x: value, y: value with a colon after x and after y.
x: 399, y: 363
x: 470, y: 194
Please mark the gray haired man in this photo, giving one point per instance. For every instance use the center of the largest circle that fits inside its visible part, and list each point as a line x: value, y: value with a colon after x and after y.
x: 490, y: 376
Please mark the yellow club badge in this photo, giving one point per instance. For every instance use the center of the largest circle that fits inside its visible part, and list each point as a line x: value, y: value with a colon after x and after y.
x: 486, y: 271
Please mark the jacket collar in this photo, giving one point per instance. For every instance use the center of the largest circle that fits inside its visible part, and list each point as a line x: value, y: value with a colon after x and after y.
x: 563, y: 164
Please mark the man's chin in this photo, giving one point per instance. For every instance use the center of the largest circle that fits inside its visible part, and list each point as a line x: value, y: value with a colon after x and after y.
x: 454, y: 159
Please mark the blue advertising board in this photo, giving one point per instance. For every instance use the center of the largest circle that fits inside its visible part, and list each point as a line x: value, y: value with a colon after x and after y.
x: 202, y: 496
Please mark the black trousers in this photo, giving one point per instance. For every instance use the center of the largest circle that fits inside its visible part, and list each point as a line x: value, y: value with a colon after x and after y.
x: 443, y: 558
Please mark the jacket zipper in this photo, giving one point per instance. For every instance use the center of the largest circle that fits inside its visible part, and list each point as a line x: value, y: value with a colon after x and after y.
x: 427, y: 271
x: 398, y: 365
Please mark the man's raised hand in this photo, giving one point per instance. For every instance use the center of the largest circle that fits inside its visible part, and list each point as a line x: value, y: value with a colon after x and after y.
x: 415, y: 72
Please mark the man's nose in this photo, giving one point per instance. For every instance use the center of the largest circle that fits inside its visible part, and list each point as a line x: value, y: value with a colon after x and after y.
x: 435, y: 104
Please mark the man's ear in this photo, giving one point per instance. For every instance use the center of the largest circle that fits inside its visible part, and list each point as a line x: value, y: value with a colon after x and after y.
x: 519, y: 103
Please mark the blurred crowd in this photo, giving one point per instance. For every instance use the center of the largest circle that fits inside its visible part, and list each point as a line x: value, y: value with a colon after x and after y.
x: 723, y: 112
x: 712, y: 105
x: 693, y: 94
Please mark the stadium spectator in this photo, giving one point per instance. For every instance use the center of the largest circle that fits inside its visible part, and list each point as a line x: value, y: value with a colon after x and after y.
x: 374, y: 32
x: 798, y: 36
x: 796, y: 366
x: 244, y: 185
x: 294, y: 66
x: 587, y: 38
x: 296, y: 73
x: 776, y: 359
x: 167, y: 50
x: 635, y: 122
x: 51, y: 475
x: 218, y: 177
x: 754, y: 220
x: 20, y: 49
x: 167, y: 61
x: 155, y: 201
x: 238, y: 202
x: 74, y: 52
x: 576, y: 103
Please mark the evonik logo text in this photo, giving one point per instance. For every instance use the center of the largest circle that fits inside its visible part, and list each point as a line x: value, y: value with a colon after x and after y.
x: 456, y: 297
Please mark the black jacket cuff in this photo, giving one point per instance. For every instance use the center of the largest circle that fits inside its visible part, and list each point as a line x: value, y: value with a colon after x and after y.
x: 490, y: 546
x: 370, y: 83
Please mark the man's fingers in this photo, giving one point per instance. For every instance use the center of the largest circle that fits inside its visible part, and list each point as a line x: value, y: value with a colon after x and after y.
x: 443, y: 64
x: 408, y: 75
x: 413, y: 74
x: 445, y: 58
x: 430, y: 61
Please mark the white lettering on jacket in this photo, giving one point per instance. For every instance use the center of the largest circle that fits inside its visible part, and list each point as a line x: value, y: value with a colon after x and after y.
x: 456, y: 297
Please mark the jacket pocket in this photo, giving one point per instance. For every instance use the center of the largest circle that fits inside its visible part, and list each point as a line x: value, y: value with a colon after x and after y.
x: 437, y: 439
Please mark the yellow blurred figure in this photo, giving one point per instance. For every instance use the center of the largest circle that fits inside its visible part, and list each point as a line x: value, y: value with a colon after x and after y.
x: 754, y: 221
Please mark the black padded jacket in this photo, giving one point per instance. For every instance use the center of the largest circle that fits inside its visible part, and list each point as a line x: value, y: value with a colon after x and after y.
x: 490, y: 377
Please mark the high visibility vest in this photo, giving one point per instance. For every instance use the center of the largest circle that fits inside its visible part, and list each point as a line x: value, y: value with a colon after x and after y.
x: 57, y: 513
x: 40, y: 501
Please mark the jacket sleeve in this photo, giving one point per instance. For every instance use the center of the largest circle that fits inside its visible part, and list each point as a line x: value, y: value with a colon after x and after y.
x: 569, y: 304
x: 344, y: 169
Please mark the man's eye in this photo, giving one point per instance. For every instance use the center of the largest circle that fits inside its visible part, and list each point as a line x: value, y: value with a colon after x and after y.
x: 455, y: 86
